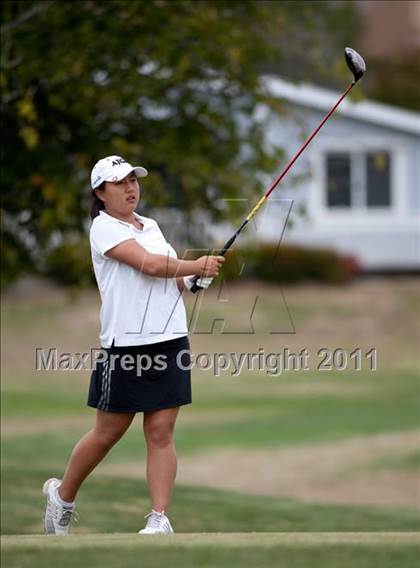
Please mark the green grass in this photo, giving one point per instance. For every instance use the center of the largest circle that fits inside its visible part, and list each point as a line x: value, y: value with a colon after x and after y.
x: 208, y: 551
x: 408, y: 461
x: 247, y: 412
x: 266, y: 414
x: 117, y: 504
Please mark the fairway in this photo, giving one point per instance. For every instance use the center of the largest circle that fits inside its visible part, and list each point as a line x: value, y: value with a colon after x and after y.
x: 263, y: 539
x: 309, y: 470
x: 312, y: 549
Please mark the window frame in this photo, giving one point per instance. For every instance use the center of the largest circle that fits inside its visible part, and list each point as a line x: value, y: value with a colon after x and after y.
x: 357, y: 149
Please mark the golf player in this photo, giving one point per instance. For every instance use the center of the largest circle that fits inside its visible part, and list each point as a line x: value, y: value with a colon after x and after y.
x: 144, y: 362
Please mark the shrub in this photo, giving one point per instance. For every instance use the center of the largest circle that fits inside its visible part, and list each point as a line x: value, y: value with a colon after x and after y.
x: 70, y: 263
x: 289, y: 264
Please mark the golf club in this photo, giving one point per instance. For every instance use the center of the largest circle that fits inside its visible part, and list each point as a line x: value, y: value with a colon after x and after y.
x: 357, y: 67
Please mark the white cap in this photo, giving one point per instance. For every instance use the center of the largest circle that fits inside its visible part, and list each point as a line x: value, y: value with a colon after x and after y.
x: 113, y: 168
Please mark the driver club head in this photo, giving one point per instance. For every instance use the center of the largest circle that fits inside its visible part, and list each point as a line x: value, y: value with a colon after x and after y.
x: 355, y: 63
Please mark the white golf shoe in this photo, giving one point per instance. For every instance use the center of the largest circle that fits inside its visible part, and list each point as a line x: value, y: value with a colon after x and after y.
x: 57, y: 516
x: 157, y: 523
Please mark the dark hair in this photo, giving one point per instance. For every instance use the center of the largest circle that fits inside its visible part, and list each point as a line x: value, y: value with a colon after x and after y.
x: 97, y: 204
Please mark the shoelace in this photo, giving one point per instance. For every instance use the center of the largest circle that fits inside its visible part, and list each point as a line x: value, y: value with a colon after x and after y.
x: 64, y: 515
x: 67, y: 516
x: 155, y: 520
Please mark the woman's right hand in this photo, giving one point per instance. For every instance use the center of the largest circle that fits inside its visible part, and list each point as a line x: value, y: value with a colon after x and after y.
x: 208, y: 266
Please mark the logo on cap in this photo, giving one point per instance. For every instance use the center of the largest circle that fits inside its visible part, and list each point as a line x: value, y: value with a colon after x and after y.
x: 118, y: 161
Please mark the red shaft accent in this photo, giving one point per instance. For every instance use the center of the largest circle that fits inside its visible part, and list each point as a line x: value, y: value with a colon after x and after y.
x: 314, y: 133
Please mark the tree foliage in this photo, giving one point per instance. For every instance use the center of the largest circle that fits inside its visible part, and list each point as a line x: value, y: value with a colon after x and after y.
x: 169, y: 84
x: 395, y: 80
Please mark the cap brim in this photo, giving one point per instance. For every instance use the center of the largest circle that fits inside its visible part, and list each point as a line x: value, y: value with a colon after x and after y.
x: 140, y: 172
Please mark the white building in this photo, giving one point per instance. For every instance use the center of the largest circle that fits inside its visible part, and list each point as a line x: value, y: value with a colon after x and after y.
x: 358, y: 181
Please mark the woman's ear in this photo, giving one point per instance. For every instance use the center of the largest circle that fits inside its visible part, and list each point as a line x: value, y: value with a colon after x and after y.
x: 100, y: 194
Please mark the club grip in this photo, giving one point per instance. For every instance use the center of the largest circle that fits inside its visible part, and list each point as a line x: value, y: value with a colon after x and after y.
x: 195, y: 287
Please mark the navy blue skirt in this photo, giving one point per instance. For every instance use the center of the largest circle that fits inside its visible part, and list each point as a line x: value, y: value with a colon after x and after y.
x: 141, y: 378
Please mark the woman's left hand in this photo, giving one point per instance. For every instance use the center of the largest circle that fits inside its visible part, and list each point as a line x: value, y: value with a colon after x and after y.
x: 202, y: 282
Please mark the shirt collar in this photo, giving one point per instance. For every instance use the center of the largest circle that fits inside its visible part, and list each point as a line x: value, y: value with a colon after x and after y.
x: 138, y: 217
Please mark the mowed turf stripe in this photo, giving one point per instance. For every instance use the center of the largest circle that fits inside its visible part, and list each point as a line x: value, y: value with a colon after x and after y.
x: 188, y: 540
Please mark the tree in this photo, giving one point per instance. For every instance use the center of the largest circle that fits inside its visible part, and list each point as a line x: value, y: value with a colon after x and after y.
x: 170, y: 84
x: 395, y: 80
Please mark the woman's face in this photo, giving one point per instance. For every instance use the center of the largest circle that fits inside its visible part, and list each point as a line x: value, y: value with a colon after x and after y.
x: 121, y: 196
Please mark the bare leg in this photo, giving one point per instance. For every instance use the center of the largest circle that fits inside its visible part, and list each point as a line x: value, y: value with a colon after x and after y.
x: 158, y: 429
x: 91, y: 449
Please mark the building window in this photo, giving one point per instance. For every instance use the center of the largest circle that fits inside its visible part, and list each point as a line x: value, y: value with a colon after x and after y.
x: 338, y: 180
x: 358, y: 180
x: 378, y: 179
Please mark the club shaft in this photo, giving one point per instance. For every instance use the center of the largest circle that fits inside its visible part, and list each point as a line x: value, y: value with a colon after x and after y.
x: 308, y: 141
x: 292, y: 161
x: 275, y: 183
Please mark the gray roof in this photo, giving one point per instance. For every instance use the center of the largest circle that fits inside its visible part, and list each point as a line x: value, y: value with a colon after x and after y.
x: 323, y: 99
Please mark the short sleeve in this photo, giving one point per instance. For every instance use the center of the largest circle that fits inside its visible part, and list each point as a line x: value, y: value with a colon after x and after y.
x: 106, y: 235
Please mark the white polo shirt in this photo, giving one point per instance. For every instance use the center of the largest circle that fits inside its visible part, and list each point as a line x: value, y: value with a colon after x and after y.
x: 137, y: 309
